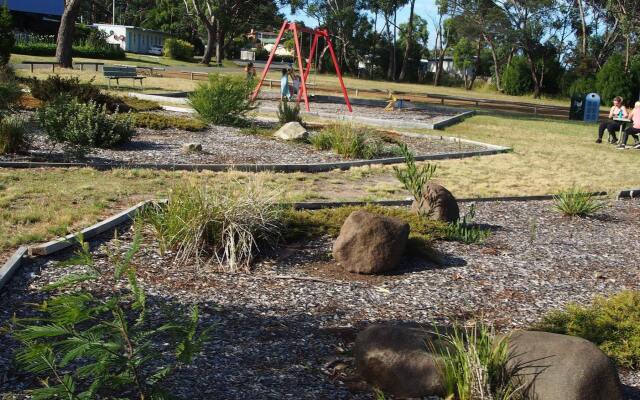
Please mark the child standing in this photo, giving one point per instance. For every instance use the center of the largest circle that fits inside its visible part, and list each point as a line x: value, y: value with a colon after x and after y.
x: 284, y: 85
x: 632, y: 130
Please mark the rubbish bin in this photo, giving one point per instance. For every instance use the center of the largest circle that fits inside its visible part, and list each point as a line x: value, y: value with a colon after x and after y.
x: 592, y: 108
x: 576, y: 111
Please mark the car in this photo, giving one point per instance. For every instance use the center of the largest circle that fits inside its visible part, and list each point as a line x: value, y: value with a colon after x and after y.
x: 156, y: 50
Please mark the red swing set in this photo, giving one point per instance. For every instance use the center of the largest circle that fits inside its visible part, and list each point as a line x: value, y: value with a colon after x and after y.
x: 317, y: 33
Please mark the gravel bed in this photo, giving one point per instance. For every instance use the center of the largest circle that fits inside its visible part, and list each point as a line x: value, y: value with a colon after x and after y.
x: 221, y: 145
x: 285, y: 331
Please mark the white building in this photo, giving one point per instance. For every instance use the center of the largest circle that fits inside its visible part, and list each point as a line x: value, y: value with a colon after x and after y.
x: 448, y: 67
x: 132, y: 39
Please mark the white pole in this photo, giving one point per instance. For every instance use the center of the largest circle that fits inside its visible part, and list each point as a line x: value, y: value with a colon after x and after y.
x: 113, y: 20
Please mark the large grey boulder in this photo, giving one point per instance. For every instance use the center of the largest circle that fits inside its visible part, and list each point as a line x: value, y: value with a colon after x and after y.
x: 371, y: 244
x: 438, y: 203
x: 398, y: 360
x: 292, y: 131
x: 564, y: 367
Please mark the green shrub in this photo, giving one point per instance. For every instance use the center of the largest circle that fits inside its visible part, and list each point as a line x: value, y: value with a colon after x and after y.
x: 54, y: 86
x: 611, y: 81
x: 230, y: 224
x: 412, y: 177
x: 7, y: 38
x: 465, y: 231
x: 223, y: 100
x: 611, y: 323
x: 13, y: 135
x: 349, y: 141
x: 46, y: 49
x: 79, y: 126
x: 137, y: 105
x: 475, y: 364
x: 582, y: 87
x: 287, y: 113
x: 160, y: 122
x: 10, y: 94
x: 177, y: 49
x: 81, y: 346
x: 577, y: 202
x: 516, y: 78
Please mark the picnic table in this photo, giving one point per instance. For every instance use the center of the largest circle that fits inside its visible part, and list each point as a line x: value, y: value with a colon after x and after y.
x: 83, y: 63
x: 623, y: 123
x: 52, y: 63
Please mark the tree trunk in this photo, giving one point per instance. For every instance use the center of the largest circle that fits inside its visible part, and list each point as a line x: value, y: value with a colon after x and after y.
x: 439, y: 66
x: 476, y: 67
x: 496, y: 68
x: 64, y: 47
x: 627, y: 52
x: 534, y: 75
x: 211, y: 40
x: 219, y: 42
x: 407, y: 50
x: 390, y: 67
x: 583, y: 23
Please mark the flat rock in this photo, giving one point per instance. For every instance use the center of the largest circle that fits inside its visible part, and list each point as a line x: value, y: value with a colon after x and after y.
x: 188, y: 148
x: 292, y: 131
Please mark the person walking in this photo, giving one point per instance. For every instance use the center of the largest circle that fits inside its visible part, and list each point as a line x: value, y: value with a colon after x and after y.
x: 633, y: 130
x: 617, y: 111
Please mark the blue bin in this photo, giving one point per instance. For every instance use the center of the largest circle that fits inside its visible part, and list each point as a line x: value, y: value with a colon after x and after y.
x: 592, y: 108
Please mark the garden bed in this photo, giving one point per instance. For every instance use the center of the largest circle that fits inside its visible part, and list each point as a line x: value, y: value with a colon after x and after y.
x: 285, y: 330
x: 221, y: 145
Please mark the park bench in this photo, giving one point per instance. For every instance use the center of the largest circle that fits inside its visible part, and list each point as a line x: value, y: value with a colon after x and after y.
x: 118, y: 73
x: 83, y: 63
x: 52, y: 63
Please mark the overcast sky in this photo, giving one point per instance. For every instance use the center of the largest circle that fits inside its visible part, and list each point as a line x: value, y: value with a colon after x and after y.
x: 424, y: 8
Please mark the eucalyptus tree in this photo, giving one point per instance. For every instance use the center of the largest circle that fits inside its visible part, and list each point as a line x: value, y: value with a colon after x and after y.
x: 64, y: 45
x: 409, y: 44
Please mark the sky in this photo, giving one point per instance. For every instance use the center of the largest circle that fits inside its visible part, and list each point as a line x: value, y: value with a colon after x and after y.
x: 424, y: 8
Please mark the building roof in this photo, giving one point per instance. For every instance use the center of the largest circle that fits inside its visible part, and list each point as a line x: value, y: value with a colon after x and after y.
x: 130, y: 27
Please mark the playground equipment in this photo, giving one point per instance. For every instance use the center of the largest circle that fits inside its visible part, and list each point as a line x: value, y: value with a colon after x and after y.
x: 304, y: 70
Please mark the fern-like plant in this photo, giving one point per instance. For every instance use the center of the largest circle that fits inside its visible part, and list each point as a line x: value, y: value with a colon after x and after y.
x: 412, y: 177
x: 82, y: 346
x: 464, y: 230
x: 577, y: 202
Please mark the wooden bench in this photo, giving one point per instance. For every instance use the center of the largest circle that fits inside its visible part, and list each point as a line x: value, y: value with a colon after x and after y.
x: 118, y: 73
x: 83, y: 63
x: 52, y: 63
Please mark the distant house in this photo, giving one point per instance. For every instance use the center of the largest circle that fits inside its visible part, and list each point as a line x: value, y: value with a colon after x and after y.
x: 260, y: 39
x: 37, y: 16
x: 133, y: 39
x: 448, y: 67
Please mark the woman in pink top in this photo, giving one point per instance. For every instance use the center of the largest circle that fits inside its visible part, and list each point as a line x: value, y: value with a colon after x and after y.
x: 617, y: 111
x: 632, y: 130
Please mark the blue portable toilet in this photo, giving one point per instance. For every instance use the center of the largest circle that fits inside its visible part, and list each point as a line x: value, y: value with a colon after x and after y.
x: 592, y: 108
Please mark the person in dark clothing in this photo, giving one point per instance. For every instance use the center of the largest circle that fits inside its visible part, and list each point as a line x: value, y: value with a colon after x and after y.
x: 633, y: 130
x: 617, y: 111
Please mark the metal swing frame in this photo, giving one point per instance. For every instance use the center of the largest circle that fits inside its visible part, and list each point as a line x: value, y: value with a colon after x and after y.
x: 317, y: 33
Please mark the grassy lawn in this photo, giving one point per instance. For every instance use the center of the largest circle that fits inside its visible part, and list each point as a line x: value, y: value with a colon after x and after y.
x: 549, y: 155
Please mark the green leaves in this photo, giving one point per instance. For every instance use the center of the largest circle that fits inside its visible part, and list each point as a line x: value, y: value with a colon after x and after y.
x: 85, y: 347
x: 412, y: 177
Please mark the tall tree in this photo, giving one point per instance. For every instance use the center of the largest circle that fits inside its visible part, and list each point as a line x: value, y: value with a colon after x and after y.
x: 407, y: 49
x: 64, y: 47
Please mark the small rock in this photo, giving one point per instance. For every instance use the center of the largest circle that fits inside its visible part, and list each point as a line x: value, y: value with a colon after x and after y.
x: 437, y: 203
x: 292, y: 131
x: 370, y: 244
x: 189, y: 148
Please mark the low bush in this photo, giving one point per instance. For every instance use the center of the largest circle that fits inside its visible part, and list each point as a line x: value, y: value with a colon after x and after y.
x: 350, y: 141
x: 46, y: 49
x: 412, y: 177
x: 13, y: 135
x: 10, y: 94
x: 160, y: 122
x: 177, y: 49
x: 230, y: 224
x: 475, y: 364
x: 577, y: 202
x: 223, y: 100
x: 287, y: 113
x: 79, y: 126
x: 611, y: 83
x: 51, y: 88
x: 138, y: 105
x: 83, y: 346
x: 465, y: 231
x: 611, y: 323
